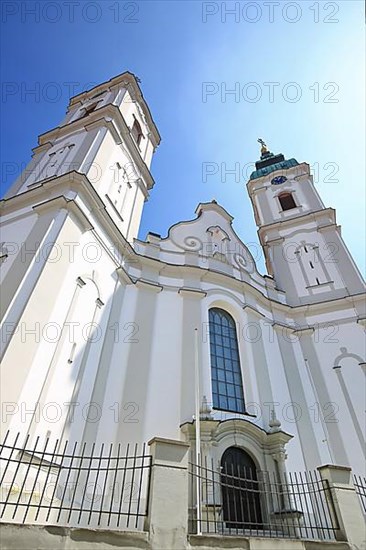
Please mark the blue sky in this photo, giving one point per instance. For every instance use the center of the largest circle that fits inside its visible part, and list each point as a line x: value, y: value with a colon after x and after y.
x: 311, y: 52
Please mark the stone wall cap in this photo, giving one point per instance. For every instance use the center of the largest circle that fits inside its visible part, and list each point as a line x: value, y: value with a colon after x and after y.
x: 334, y: 467
x: 166, y: 441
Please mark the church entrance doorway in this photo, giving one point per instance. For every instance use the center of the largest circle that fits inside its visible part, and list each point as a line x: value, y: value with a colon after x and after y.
x: 240, y: 490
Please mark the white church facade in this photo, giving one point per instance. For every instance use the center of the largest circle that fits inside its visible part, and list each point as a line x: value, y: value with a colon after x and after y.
x: 99, y: 327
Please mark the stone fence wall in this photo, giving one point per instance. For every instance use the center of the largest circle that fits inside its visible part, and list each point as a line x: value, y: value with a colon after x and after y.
x: 166, y: 523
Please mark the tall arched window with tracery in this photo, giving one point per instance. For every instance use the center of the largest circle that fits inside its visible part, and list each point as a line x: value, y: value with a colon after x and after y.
x: 227, y: 383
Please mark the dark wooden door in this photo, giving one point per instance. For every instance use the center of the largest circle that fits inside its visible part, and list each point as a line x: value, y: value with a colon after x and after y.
x: 240, y: 490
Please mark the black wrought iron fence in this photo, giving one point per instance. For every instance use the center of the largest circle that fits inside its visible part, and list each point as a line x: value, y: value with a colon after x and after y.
x: 260, y: 504
x: 360, y: 486
x: 74, y: 484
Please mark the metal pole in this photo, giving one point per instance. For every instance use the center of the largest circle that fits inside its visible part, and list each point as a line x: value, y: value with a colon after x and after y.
x: 198, y: 433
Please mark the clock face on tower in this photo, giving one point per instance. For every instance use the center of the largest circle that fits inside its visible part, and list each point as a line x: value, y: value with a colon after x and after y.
x: 278, y: 179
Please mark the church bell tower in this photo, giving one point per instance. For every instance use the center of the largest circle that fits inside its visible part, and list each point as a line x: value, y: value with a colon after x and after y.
x: 108, y: 134
x: 68, y: 229
x: 302, y: 243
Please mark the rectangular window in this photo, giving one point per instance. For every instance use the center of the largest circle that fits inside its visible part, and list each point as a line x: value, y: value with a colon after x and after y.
x: 287, y: 201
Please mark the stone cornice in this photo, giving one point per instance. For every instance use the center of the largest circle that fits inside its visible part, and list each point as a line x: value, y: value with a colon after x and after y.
x: 300, y: 219
x: 148, y: 285
x: 278, y: 439
x: 251, y: 309
x: 362, y: 321
x: 61, y: 202
x: 327, y: 227
x: 260, y: 189
x: 91, y: 121
x: 289, y: 172
x: 56, y: 203
x: 280, y: 326
x: 192, y: 292
x: 278, y: 240
x: 209, y: 206
x: 123, y: 276
x: 41, y: 148
x: 308, y: 330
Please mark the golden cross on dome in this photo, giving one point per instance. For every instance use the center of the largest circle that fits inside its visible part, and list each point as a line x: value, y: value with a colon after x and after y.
x: 264, y: 146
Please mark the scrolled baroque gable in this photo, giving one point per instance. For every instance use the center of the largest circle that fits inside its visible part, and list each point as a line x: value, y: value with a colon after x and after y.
x: 211, y: 238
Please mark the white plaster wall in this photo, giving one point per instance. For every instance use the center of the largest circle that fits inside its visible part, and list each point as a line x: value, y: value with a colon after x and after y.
x: 162, y: 406
x: 27, y: 343
x: 13, y: 233
x: 46, y: 375
x: 345, y: 403
x: 116, y: 412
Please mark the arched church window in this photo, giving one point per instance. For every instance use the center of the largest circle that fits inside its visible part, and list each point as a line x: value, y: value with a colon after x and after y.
x: 227, y: 384
x: 137, y: 132
x: 287, y: 201
x: 240, y: 490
